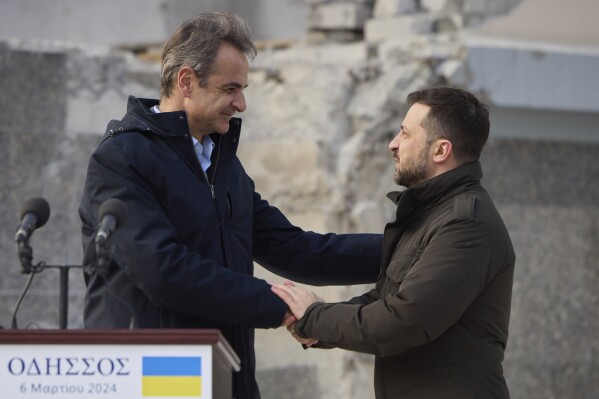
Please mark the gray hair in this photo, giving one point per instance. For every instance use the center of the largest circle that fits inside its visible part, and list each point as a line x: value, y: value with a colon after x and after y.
x: 195, y: 43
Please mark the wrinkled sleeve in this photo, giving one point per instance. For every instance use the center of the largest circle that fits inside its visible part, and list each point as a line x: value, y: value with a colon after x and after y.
x: 148, y: 250
x: 448, y: 276
x: 312, y: 258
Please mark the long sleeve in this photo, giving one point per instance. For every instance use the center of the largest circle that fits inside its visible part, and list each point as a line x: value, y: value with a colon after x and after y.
x: 453, y: 269
x: 160, y: 247
x: 312, y: 258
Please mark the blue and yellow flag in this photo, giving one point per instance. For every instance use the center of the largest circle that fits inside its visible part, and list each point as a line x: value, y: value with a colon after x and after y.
x: 171, y: 376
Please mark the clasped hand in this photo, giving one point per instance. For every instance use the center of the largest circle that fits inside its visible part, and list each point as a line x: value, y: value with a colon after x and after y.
x: 298, y: 300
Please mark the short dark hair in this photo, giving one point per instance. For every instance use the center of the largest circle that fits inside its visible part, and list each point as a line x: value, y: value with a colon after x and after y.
x: 195, y: 43
x: 455, y: 115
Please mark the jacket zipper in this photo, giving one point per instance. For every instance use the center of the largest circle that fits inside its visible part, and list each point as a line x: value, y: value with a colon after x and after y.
x: 211, y: 183
x: 230, y: 207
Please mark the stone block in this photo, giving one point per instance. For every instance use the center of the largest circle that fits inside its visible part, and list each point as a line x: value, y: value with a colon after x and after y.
x: 401, y: 26
x: 529, y: 75
x: 275, y: 167
x: 343, y: 16
x: 391, y: 8
x: 408, y: 49
x: 449, y: 24
x: 305, y: 102
x: 326, y: 54
x: 320, y: 37
x: 386, y: 94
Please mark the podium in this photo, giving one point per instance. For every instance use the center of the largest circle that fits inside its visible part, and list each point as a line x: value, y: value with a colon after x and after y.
x: 104, y: 364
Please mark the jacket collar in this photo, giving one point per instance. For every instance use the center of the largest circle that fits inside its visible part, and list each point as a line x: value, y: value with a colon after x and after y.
x: 166, y: 123
x: 431, y: 191
x: 172, y: 124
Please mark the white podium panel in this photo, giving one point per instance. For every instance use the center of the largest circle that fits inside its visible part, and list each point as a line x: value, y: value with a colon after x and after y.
x: 138, y: 364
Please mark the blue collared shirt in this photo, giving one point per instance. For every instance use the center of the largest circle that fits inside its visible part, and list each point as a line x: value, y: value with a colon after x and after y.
x: 203, y: 150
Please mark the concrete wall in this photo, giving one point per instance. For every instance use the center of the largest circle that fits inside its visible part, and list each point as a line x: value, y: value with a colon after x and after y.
x: 54, y: 104
x: 134, y: 22
x: 547, y: 193
x: 330, y: 111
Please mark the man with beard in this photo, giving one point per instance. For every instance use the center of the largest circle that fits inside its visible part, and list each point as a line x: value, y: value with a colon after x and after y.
x: 438, y: 317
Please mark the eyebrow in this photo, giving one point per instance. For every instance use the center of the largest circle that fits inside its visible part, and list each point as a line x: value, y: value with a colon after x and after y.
x: 235, y: 84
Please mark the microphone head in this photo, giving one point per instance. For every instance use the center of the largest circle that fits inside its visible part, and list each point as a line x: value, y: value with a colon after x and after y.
x: 39, y: 207
x: 114, y: 207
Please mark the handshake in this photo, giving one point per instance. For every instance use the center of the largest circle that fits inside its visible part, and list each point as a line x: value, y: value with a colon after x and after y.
x: 298, y: 300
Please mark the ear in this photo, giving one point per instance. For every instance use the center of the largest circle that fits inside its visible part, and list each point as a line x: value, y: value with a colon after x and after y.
x: 443, y: 151
x: 185, y: 80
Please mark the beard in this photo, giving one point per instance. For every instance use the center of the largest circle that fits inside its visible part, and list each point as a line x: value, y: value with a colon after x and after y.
x: 414, y: 172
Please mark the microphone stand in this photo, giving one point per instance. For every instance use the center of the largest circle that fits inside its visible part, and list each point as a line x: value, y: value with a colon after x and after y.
x: 25, y: 256
x: 26, y: 259
x: 101, y: 268
x: 64, y: 288
x: 103, y: 257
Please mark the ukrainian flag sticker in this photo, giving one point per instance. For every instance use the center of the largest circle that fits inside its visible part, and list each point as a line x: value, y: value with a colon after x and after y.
x: 172, y: 376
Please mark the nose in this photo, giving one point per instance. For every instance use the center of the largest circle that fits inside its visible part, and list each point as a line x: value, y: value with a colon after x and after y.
x: 394, y: 144
x: 239, y: 102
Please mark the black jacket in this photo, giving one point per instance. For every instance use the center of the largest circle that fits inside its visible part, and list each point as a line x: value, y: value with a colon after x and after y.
x: 183, y: 259
x: 438, y: 318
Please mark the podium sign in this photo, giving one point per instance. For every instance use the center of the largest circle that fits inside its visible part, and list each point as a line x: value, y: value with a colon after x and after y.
x: 136, y: 364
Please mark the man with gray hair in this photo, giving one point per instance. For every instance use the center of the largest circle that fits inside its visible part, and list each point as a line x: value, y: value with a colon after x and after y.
x: 184, y: 258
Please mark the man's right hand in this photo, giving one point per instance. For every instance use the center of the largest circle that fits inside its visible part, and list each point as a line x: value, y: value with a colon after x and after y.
x: 288, y: 319
x: 298, y: 299
x: 304, y: 341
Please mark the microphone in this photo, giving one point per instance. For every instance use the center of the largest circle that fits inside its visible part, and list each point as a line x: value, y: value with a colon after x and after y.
x: 112, y: 214
x: 34, y: 214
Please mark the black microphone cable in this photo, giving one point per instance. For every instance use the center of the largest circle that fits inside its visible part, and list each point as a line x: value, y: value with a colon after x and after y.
x: 133, y: 320
x: 13, y: 323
